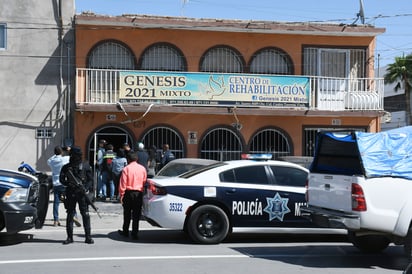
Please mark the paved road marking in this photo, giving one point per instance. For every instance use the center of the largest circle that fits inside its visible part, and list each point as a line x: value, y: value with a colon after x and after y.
x: 121, y: 259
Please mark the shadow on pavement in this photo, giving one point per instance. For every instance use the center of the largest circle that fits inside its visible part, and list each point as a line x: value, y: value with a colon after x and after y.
x: 152, y: 237
x: 329, y: 256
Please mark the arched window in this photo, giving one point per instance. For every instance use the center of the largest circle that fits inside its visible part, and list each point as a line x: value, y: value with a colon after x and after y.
x: 163, y: 57
x: 111, y: 55
x: 221, y: 144
x: 272, y: 141
x: 271, y: 61
x: 222, y: 59
x: 160, y: 135
x: 103, y: 64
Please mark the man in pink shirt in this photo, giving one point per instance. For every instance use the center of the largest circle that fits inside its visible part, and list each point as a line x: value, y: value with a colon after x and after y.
x: 131, y: 187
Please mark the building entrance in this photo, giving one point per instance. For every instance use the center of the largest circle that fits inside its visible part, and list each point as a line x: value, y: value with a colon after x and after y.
x: 114, y: 135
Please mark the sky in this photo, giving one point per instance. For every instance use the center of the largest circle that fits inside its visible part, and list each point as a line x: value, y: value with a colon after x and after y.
x: 394, y: 16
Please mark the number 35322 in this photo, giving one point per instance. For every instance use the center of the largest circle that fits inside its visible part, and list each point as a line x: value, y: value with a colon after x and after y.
x: 176, y: 207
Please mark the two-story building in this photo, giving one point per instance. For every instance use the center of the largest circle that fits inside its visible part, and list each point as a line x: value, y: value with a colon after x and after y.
x: 214, y: 88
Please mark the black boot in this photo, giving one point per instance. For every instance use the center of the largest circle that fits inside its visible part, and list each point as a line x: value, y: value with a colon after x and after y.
x: 89, y: 240
x: 87, y: 228
x: 69, y: 240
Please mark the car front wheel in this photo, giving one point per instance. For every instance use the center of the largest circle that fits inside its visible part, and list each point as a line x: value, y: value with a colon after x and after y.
x: 208, y: 224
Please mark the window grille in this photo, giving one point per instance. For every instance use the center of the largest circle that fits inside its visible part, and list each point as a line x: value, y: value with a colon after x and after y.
x: 162, y: 57
x: 44, y: 133
x: 271, y: 61
x: 106, y: 59
x: 270, y: 141
x: 158, y: 136
x: 221, y: 144
x: 221, y: 59
x: 111, y: 55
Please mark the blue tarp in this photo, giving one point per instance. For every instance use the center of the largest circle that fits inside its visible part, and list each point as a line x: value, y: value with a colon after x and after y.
x: 386, y: 153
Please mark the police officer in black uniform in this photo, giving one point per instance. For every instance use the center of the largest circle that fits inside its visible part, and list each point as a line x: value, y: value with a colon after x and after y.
x: 75, y: 193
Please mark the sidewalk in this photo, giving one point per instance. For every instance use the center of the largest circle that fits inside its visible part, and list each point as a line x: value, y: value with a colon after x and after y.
x: 111, y: 215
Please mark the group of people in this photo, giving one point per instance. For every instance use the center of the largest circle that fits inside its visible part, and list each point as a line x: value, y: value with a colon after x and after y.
x: 124, y: 173
x: 111, y: 163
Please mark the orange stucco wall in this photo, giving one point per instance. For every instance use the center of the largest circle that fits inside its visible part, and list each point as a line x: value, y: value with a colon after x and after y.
x: 193, y: 44
x: 88, y: 122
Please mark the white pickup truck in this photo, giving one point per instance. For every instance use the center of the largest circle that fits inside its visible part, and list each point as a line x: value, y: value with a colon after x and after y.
x: 362, y: 182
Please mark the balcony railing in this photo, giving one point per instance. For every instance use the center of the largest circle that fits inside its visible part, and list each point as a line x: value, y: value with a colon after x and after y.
x: 99, y: 86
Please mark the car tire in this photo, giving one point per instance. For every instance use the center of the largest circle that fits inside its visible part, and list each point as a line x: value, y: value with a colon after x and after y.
x: 2, y: 222
x: 369, y: 243
x: 208, y: 224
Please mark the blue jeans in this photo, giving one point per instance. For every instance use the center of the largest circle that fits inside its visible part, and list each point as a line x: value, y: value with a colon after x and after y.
x: 107, y: 181
x: 57, y: 191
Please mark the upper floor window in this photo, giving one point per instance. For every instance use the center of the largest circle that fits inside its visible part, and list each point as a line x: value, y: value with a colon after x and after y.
x: 222, y: 59
x: 111, y: 55
x: 163, y: 57
x: 271, y: 61
x: 3, y: 36
x: 335, y: 62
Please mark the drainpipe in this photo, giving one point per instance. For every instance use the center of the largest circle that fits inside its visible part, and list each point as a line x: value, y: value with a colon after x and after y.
x: 60, y: 22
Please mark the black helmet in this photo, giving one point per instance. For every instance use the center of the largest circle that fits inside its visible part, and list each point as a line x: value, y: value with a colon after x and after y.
x: 75, y: 151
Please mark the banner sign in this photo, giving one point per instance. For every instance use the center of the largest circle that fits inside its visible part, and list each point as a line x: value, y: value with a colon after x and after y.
x: 210, y: 89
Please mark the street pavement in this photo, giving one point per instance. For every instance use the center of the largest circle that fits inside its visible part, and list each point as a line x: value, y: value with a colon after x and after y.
x: 111, y: 216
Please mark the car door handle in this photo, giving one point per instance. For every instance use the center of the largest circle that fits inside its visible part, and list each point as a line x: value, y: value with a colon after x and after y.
x: 231, y: 191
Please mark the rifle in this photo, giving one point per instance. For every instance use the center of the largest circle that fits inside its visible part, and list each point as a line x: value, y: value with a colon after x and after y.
x: 77, y: 184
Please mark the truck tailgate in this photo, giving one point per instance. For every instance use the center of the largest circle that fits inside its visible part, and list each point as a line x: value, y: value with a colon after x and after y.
x: 330, y: 191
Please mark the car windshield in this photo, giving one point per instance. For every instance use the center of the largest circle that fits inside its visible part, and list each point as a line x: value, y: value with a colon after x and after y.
x: 201, y: 169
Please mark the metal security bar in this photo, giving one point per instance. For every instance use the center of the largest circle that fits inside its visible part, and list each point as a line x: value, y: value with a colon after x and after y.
x: 329, y: 93
x: 270, y: 141
x: 158, y: 136
x: 271, y: 61
x: 162, y: 57
x: 222, y: 59
x: 221, y: 144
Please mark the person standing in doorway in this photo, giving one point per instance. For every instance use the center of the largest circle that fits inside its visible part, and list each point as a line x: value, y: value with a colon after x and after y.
x: 131, y: 188
x: 99, y: 161
x: 107, y: 176
x: 127, y: 148
x: 119, y: 162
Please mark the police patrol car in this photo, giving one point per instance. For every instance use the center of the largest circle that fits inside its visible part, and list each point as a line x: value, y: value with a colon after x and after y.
x: 212, y: 201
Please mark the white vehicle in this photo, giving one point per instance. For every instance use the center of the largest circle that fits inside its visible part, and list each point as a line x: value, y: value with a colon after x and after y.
x: 362, y: 182
x: 210, y: 202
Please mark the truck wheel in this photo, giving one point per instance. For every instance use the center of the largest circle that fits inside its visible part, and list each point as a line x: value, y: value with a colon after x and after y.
x: 208, y: 224
x: 369, y: 243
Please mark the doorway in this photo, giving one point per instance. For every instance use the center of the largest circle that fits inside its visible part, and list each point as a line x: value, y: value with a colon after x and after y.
x: 114, y: 135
